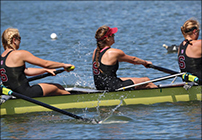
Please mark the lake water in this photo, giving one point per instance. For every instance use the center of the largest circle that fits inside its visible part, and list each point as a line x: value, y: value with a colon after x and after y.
x: 144, y: 26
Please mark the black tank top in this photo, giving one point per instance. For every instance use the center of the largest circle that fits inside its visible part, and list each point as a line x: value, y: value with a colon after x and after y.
x: 187, y: 64
x: 105, y: 76
x: 104, y: 70
x: 13, y: 77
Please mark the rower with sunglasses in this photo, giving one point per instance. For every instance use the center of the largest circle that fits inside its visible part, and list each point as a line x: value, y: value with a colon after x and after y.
x: 106, y: 63
x: 190, y: 51
x: 14, y: 71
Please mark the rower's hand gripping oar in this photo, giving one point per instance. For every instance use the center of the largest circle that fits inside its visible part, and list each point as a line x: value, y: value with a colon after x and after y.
x: 7, y: 91
x: 49, y: 74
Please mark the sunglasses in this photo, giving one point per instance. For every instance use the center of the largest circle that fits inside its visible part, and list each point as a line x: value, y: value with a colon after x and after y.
x: 18, y: 38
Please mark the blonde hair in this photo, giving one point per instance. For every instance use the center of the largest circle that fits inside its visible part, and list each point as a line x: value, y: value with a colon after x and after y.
x: 189, y: 26
x: 101, y: 31
x: 8, y: 36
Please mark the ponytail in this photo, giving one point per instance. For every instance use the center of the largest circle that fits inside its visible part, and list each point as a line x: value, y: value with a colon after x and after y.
x: 101, y: 31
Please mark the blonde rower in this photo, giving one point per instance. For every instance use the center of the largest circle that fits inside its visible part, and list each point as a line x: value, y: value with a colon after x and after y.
x: 14, y: 70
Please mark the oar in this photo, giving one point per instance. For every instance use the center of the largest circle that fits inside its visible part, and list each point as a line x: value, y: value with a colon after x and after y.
x: 186, y: 76
x: 154, y: 80
x: 162, y: 69
x: 48, y: 74
x: 7, y: 91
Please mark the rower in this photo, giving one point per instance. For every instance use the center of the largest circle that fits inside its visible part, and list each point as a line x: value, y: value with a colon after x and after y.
x: 14, y: 70
x: 190, y: 51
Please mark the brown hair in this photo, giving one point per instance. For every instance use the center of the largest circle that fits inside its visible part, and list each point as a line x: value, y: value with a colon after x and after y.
x: 101, y: 31
x: 8, y: 36
x: 189, y: 26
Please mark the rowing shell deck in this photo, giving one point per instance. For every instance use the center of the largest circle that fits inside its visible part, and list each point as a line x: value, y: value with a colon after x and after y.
x: 89, y: 98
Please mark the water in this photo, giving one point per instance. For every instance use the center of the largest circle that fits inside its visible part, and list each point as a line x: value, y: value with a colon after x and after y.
x: 170, y: 121
x: 144, y: 26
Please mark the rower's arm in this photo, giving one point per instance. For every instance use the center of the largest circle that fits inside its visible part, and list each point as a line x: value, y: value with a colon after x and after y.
x: 37, y: 71
x: 132, y: 59
x: 26, y: 56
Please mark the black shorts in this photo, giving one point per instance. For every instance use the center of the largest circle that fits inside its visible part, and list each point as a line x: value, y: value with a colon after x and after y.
x: 112, y: 83
x: 30, y: 91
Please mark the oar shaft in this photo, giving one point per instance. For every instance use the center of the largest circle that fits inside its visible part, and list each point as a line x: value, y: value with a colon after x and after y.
x: 7, y: 91
x: 162, y: 69
x: 44, y: 75
x: 154, y: 80
x: 45, y: 105
x: 48, y: 74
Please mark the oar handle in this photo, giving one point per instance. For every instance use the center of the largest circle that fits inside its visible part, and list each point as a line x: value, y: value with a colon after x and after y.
x: 162, y: 69
x: 48, y: 74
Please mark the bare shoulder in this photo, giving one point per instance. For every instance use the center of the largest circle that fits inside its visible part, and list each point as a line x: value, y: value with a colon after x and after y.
x: 17, y: 53
x: 195, y: 50
x: 115, y: 51
x: 21, y: 52
x: 198, y: 43
x: 25, y: 55
x: 16, y: 58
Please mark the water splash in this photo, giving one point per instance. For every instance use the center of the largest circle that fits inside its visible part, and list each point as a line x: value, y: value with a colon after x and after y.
x: 98, y: 106
x: 113, y: 110
x: 115, y: 118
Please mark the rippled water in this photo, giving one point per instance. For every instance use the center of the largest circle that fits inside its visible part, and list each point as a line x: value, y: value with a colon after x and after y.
x: 159, y: 121
x: 144, y: 26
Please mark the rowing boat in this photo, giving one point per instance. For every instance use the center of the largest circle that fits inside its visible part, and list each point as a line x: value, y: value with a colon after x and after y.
x: 90, y: 98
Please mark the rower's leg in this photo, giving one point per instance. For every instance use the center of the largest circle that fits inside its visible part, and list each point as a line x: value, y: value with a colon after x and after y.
x: 144, y: 79
x: 53, y: 89
x: 140, y: 80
